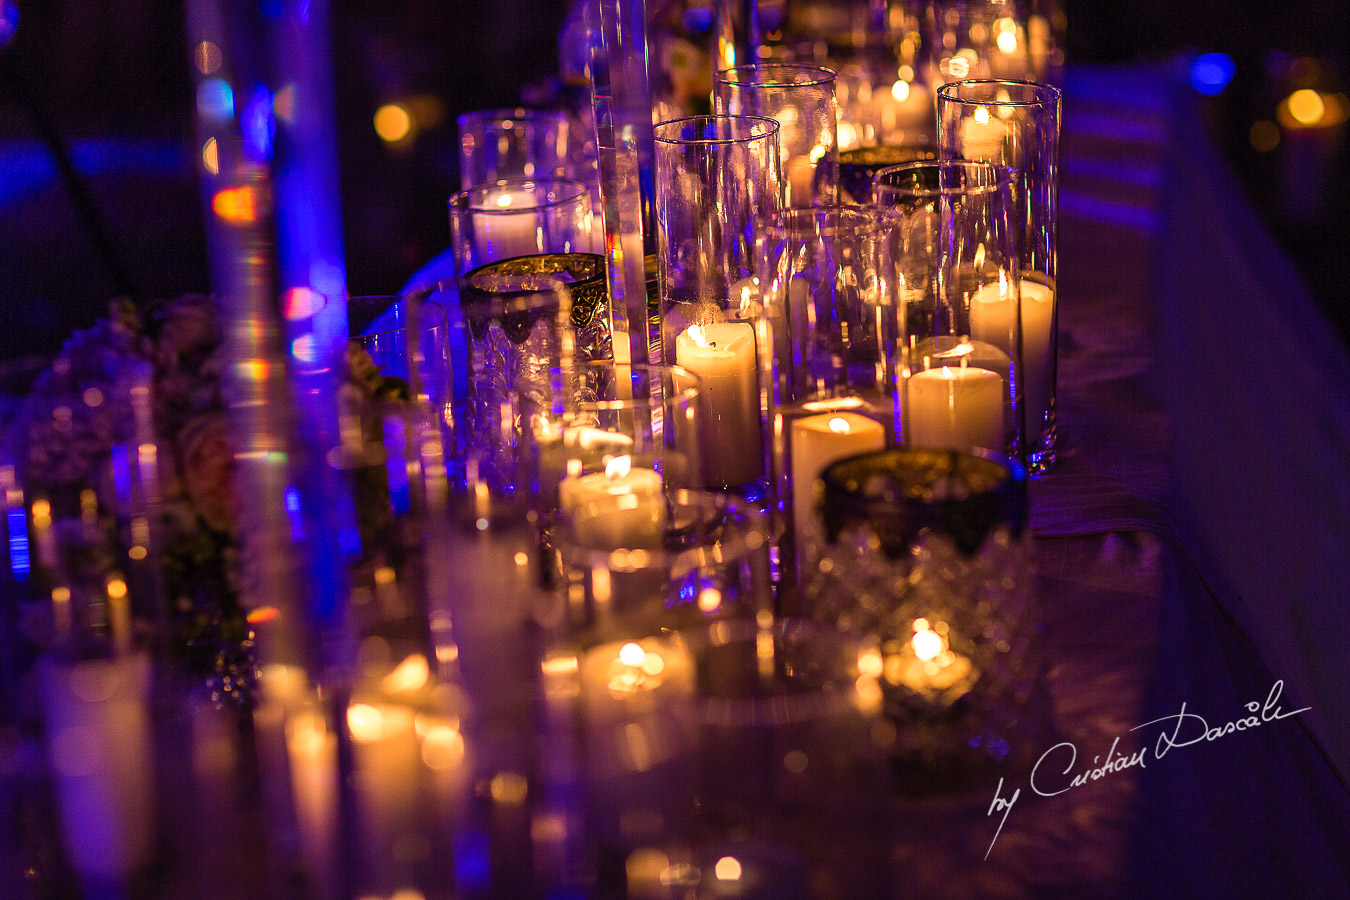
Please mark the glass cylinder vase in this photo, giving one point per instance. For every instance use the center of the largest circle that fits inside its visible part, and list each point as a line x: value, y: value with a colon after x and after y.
x: 496, y: 144
x: 1015, y: 124
x: 519, y: 359
x: 801, y: 99
x: 828, y: 336
x: 716, y: 177
x: 953, y: 241
x: 519, y: 217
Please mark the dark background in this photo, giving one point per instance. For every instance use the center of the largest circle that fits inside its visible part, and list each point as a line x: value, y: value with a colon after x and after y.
x: 112, y: 79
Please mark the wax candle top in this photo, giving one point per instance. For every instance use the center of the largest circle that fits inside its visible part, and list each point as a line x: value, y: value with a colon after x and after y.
x: 720, y: 338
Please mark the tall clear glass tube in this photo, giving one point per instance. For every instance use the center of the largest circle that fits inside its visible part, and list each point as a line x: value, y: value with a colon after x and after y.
x: 1015, y: 124
x: 828, y: 332
x: 801, y: 99
x: 717, y: 178
x: 953, y: 240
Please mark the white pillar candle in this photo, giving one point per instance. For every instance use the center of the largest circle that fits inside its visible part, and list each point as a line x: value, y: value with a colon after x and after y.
x: 905, y: 105
x: 956, y: 406
x: 500, y: 233
x: 816, y: 442
x: 991, y: 322
x: 982, y: 137
x: 102, y: 756
x: 633, y: 509
x: 723, y: 355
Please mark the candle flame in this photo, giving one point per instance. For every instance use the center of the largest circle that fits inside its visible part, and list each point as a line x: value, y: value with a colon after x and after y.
x: 979, y: 257
x: 696, y: 334
x: 503, y: 201
x: 839, y: 425
x: 982, y: 116
x: 900, y: 91
x: 618, y: 467
x: 927, y: 644
x: 632, y: 654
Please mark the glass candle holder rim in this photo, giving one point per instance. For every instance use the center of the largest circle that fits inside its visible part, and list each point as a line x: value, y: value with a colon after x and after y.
x: 465, y: 198
x: 685, y: 559
x: 1044, y: 94
x: 1001, y: 177
x: 867, y: 216
x: 823, y: 74
x: 1003, y: 498
x: 693, y: 386
x: 507, y: 114
x: 429, y: 318
x: 770, y: 126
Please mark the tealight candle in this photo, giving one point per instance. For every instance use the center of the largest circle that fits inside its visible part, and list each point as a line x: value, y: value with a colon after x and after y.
x: 500, y: 233
x: 723, y: 355
x: 634, y: 507
x: 991, y: 321
x: 927, y: 665
x: 956, y: 406
x: 816, y: 442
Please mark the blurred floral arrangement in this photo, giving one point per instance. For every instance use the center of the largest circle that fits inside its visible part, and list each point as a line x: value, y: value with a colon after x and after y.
x: 81, y: 408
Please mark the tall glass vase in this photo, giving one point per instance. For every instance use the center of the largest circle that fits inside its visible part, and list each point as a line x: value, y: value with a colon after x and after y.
x: 717, y: 178
x: 1015, y: 124
x: 802, y: 100
x: 828, y: 335
x: 953, y: 239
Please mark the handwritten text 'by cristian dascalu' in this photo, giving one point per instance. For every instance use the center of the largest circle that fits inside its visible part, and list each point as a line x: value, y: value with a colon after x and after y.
x: 1051, y: 774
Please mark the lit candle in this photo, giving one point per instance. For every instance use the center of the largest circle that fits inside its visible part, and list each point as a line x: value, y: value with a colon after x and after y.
x: 312, y: 755
x: 905, y: 106
x: 634, y: 698
x: 816, y: 442
x: 956, y: 406
x: 507, y: 225
x: 991, y: 322
x: 102, y: 758
x: 723, y: 355
x: 982, y: 137
x: 386, y: 761
x: 926, y: 664
x: 632, y: 501
x: 1008, y: 56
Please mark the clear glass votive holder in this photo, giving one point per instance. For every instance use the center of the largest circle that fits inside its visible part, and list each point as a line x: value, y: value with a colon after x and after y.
x: 383, y: 327
x: 496, y: 144
x: 828, y: 336
x: 519, y: 217
x: 716, y: 177
x: 1015, y: 124
x: 520, y: 361
x: 953, y: 243
x: 704, y: 556
x: 634, y: 431
x: 801, y: 99
x: 928, y: 555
